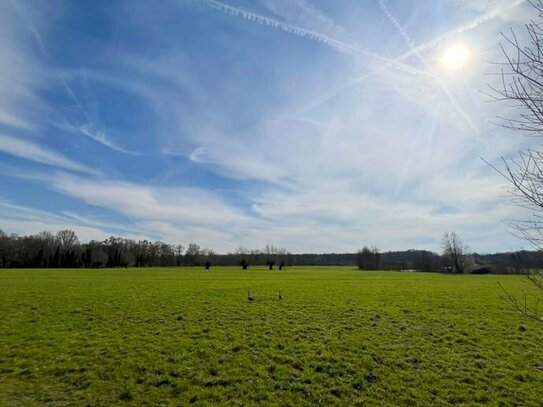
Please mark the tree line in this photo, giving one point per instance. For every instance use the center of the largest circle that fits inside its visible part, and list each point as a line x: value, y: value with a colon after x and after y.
x: 64, y: 250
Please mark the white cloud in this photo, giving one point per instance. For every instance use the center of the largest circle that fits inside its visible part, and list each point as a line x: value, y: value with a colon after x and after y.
x: 26, y: 227
x: 21, y: 75
x: 34, y: 152
x: 198, y: 155
x: 100, y: 137
x: 25, y: 220
x: 182, y: 205
x: 9, y: 119
x: 337, y: 151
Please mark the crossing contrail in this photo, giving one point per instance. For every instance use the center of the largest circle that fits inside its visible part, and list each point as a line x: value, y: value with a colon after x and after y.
x: 440, y: 84
x: 311, y: 35
x: 396, y: 24
x: 470, y: 25
x: 418, y: 50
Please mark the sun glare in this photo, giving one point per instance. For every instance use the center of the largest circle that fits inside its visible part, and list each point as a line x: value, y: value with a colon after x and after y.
x: 456, y: 57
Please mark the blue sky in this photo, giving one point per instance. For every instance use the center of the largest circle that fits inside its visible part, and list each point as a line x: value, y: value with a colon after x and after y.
x: 307, y: 124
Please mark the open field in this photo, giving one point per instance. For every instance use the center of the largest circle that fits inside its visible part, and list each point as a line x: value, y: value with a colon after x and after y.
x: 339, y: 337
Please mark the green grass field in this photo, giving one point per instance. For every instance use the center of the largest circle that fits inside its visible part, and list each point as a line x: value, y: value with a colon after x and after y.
x: 190, y: 337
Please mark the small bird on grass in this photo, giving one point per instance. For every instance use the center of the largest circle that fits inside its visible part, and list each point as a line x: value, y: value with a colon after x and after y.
x: 280, y: 296
x: 250, y: 298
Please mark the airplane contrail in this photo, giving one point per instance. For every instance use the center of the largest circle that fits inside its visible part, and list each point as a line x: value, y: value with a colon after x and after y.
x: 467, y: 118
x: 470, y: 25
x: 396, y: 24
x: 417, y: 50
x: 312, y: 35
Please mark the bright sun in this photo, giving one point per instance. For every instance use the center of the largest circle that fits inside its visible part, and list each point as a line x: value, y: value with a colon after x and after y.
x: 455, y: 57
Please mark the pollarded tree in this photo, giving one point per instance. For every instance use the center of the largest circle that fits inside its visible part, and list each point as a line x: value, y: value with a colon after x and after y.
x: 274, y: 255
x: 457, y: 253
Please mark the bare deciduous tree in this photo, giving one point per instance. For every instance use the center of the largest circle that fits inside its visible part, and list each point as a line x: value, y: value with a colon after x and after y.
x: 522, y: 87
x: 192, y: 254
x: 368, y: 258
x: 457, y: 253
x: 67, y: 238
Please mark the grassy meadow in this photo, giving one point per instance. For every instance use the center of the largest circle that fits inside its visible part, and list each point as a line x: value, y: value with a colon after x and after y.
x: 185, y: 336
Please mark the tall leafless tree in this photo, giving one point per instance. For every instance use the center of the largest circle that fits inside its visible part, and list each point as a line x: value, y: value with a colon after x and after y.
x: 457, y: 253
x: 521, y: 86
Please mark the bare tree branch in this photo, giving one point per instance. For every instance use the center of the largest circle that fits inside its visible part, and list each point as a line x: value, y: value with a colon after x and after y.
x: 522, y: 87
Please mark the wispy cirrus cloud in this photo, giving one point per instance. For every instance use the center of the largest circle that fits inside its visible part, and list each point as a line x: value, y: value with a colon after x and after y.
x: 100, y: 137
x: 188, y: 124
x: 21, y: 219
x: 178, y: 205
x: 34, y: 152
